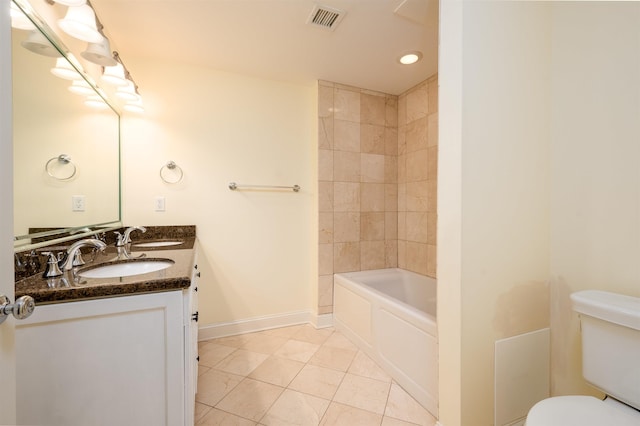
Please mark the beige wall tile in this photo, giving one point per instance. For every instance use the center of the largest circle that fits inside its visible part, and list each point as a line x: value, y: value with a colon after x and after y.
x: 391, y: 141
x: 372, y: 139
x: 325, y: 133
x: 325, y: 165
x: 346, y: 166
x: 432, y: 196
x: 325, y: 259
x: 431, y: 260
x: 402, y: 226
x: 432, y: 228
x: 391, y: 253
x: 402, y: 140
x: 390, y: 197
x: 417, y: 163
x: 390, y: 225
x: 417, y: 227
x: 347, y: 105
x: 372, y: 255
x: 346, y: 136
x: 402, y: 110
x: 416, y: 135
x: 432, y: 129
x: 417, y: 102
x: 372, y: 168
x: 325, y: 101
x: 325, y: 227
x: 346, y: 227
x: 346, y: 197
x: 391, y: 169
x: 391, y: 111
x: 325, y: 290
x: 416, y: 254
x: 433, y: 95
x: 402, y: 168
x: 372, y: 109
x: 325, y: 196
x: 372, y: 197
x: 432, y: 163
x: 402, y: 254
x: 417, y: 196
x: 372, y: 226
x: 402, y: 197
x: 346, y: 257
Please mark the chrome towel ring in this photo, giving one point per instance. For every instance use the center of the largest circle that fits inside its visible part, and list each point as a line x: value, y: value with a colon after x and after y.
x: 62, y: 159
x: 171, y: 168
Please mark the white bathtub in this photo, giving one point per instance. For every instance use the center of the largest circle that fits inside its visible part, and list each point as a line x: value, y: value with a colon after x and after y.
x: 391, y: 315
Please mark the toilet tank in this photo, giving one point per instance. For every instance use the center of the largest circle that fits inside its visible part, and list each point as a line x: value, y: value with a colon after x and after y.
x: 610, y: 326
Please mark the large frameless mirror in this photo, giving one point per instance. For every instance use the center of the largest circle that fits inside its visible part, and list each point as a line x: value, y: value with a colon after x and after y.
x: 65, y: 140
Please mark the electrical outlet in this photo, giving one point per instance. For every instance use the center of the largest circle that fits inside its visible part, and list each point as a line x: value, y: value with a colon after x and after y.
x: 159, y: 204
x: 77, y: 203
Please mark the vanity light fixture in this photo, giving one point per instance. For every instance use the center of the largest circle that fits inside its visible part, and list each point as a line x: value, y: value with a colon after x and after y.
x: 114, y: 75
x: 36, y: 42
x: 80, y: 23
x: 410, y: 58
x: 99, y: 53
x: 95, y: 101
x: 19, y: 20
x: 128, y: 92
x: 64, y: 69
x: 71, y: 2
x: 81, y: 87
x: 135, y: 106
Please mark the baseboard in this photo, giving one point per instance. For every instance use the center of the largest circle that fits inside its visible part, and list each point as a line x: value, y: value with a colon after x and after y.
x: 251, y: 325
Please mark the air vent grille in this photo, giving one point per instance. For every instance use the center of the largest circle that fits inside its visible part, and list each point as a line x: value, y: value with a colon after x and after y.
x: 325, y: 17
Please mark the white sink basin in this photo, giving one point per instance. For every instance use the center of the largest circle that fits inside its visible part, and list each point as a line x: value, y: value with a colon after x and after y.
x: 158, y: 244
x: 126, y: 269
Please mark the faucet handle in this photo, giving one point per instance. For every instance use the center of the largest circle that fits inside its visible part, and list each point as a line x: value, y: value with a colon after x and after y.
x: 52, y: 269
x: 119, y: 239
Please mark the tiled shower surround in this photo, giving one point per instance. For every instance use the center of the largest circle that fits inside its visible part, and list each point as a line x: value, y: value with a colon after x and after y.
x: 377, y: 184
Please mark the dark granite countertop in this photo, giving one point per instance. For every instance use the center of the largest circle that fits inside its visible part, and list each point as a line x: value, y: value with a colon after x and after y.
x: 69, y: 287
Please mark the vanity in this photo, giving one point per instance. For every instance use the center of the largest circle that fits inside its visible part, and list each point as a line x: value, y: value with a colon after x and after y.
x: 113, y: 350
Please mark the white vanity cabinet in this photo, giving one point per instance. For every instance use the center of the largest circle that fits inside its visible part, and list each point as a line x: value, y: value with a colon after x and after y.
x: 115, y: 361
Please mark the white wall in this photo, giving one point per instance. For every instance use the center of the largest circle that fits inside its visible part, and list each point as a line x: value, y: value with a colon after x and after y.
x: 595, y: 167
x: 258, y: 255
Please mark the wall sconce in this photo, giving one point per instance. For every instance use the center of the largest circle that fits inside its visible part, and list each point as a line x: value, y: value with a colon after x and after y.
x: 80, y: 23
x: 114, y: 75
x: 99, y: 53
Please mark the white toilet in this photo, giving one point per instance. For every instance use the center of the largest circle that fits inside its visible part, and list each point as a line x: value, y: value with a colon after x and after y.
x: 610, y: 325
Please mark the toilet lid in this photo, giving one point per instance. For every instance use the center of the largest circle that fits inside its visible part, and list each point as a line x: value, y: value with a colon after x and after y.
x: 580, y: 411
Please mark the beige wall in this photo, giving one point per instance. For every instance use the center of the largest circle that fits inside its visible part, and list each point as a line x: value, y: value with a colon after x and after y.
x: 377, y: 156
x: 595, y: 170
x: 538, y: 182
x: 258, y: 247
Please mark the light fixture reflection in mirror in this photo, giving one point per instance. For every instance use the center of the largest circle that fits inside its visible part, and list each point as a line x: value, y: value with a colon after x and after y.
x: 80, y: 23
x: 37, y: 43
x: 64, y: 69
x: 114, y: 75
x: 81, y: 87
x: 99, y: 53
x: 19, y: 20
x: 95, y: 101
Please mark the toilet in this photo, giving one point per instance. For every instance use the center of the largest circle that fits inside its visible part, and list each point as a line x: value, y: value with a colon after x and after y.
x: 610, y: 326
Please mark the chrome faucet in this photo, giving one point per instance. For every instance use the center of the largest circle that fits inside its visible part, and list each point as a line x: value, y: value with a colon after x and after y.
x: 126, y: 238
x: 73, y: 257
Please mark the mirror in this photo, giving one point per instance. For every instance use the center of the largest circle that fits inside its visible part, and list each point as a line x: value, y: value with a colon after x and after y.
x: 66, y: 154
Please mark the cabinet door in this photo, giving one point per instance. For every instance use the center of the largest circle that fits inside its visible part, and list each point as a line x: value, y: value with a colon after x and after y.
x: 191, y: 345
x: 117, y: 361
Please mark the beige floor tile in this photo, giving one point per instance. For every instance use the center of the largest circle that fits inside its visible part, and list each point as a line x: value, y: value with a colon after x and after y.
x: 297, y: 350
x: 362, y: 392
x: 212, y: 353
x: 202, y: 369
x: 389, y: 421
x: 310, y: 334
x: 338, y: 340
x: 234, y: 341
x: 402, y: 406
x: 241, y: 362
x: 330, y: 357
x: 200, y: 411
x: 220, y: 418
x: 277, y: 371
x: 364, y: 366
x: 214, y: 385
x: 264, y: 343
x: 344, y: 415
x: 295, y: 408
x: 250, y: 399
x: 318, y: 381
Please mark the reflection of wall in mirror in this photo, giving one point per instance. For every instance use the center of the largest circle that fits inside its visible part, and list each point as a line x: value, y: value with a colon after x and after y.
x: 48, y: 121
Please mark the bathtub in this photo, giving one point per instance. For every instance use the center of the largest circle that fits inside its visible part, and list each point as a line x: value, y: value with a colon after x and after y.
x: 391, y: 315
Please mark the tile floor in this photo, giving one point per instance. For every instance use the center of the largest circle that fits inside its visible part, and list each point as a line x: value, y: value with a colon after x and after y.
x: 298, y: 376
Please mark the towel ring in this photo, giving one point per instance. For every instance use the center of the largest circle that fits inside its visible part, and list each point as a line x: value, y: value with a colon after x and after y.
x: 64, y: 159
x: 171, y: 165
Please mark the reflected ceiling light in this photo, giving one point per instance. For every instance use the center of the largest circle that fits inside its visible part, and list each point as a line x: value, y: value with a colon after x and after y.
x: 99, y: 53
x: 128, y: 92
x: 134, y: 106
x: 64, y: 69
x: 96, y: 101
x: 80, y: 23
x: 71, y: 2
x: 19, y: 20
x: 410, y: 58
x: 114, y: 75
x: 81, y: 87
x: 36, y: 42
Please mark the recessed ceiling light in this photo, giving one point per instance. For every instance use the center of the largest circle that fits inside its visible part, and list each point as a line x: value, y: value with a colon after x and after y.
x: 410, y: 58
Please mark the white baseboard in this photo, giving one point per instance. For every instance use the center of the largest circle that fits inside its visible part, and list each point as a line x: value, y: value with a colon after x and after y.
x: 251, y: 325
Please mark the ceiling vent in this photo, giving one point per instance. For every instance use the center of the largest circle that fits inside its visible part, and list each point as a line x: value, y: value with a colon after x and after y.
x: 325, y: 17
